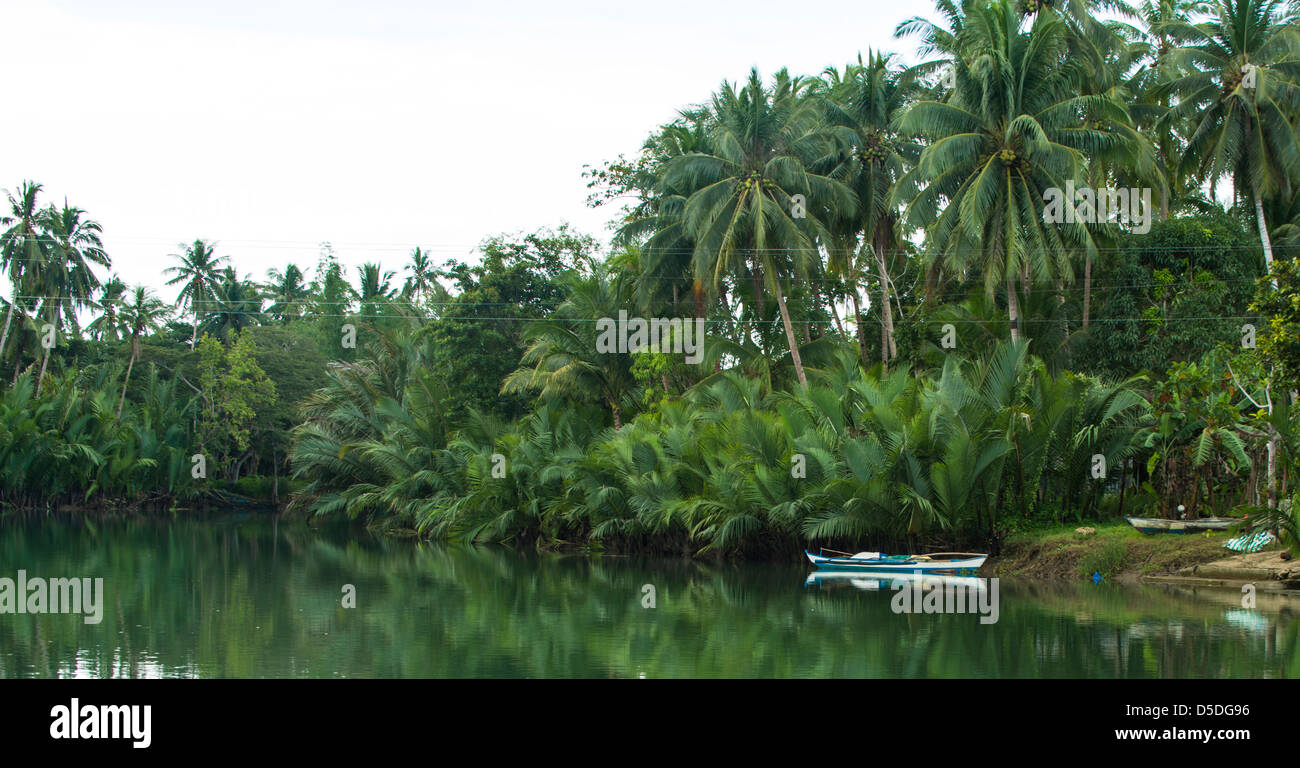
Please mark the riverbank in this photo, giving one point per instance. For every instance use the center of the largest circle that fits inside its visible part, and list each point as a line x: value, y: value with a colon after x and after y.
x: 1117, y: 551
x: 1270, y: 570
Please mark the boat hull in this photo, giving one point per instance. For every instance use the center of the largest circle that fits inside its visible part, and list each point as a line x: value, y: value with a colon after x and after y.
x: 1155, y: 525
x: 948, y: 567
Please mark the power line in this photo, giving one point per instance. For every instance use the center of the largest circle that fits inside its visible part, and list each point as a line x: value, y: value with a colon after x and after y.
x: 714, y: 321
x: 741, y: 289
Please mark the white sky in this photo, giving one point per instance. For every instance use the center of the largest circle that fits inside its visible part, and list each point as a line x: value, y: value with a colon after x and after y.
x: 270, y: 126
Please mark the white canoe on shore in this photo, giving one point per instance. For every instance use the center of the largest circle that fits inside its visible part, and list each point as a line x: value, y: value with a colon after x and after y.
x: 1158, y: 525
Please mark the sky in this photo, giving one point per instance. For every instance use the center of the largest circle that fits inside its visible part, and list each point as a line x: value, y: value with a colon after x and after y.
x: 377, y: 126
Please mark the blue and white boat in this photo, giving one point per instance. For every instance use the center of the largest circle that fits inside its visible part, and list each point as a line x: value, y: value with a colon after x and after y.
x: 941, y: 563
x: 1156, y: 525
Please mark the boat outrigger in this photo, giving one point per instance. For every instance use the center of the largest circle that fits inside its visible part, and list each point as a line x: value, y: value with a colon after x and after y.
x: 939, y: 563
x: 1158, y: 525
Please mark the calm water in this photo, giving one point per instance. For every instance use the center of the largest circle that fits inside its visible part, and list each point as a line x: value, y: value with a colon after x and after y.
x: 251, y: 597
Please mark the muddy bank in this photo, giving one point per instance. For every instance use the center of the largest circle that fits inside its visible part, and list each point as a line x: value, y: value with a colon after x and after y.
x: 1268, y: 570
x: 1115, y: 550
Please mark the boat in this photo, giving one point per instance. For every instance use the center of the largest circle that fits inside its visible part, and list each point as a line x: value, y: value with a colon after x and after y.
x: 943, y: 563
x: 1157, y: 525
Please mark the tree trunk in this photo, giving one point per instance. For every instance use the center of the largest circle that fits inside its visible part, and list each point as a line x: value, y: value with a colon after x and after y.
x: 789, y: 335
x: 1263, y: 234
x: 857, y: 318
x: 45, y: 360
x: 1087, y: 288
x: 888, y: 349
x: 1013, y: 310
x: 40, y: 378
x: 617, y: 412
x: 4, y: 337
x: 130, y: 364
x: 1123, y: 479
x: 835, y: 318
x: 1274, y: 443
x: 18, y: 361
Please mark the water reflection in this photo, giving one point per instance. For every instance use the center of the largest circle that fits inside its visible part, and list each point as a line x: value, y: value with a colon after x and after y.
x: 243, y: 596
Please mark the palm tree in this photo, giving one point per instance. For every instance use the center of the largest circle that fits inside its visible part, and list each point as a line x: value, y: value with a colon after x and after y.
x: 866, y: 104
x: 1149, y: 81
x: 664, y: 259
x: 109, y: 325
x: 198, y: 272
x: 287, y: 293
x: 1131, y: 159
x: 375, y: 289
x: 1239, y: 85
x: 742, y: 213
x: 1240, y: 88
x: 23, y: 246
x: 563, y: 358
x: 235, y: 305
x: 143, y: 314
x: 936, y: 38
x: 1010, y: 131
x: 69, y: 279
x: 421, y: 268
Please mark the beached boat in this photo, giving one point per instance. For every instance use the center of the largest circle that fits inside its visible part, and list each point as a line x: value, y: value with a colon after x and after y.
x: 1157, y: 525
x: 944, y: 563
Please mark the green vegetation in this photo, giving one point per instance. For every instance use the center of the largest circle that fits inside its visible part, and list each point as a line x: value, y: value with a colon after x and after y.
x: 905, y: 343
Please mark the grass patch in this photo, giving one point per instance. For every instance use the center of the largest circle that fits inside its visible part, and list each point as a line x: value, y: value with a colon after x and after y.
x: 1116, y: 549
x: 1108, y: 559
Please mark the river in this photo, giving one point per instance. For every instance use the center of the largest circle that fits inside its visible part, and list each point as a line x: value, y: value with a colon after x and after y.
x: 245, y: 595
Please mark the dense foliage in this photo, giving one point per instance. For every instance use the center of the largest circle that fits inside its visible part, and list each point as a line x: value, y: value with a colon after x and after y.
x: 904, y: 342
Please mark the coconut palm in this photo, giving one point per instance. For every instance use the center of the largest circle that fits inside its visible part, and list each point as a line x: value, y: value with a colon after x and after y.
x: 563, y: 358
x: 23, y: 245
x: 664, y: 259
x: 68, y: 278
x: 236, y: 304
x: 142, y: 314
x: 375, y: 289
x: 742, y: 213
x: 1148, y: 84
x: 1132, y: 161
x: 937, y: 38
x: 421, y: 270
x: 865, y: 104
x: 109, y: 326
x: 1239, y: 86
x: 1010, y: 131
x: 287, y: 292
x: 198, y: 276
